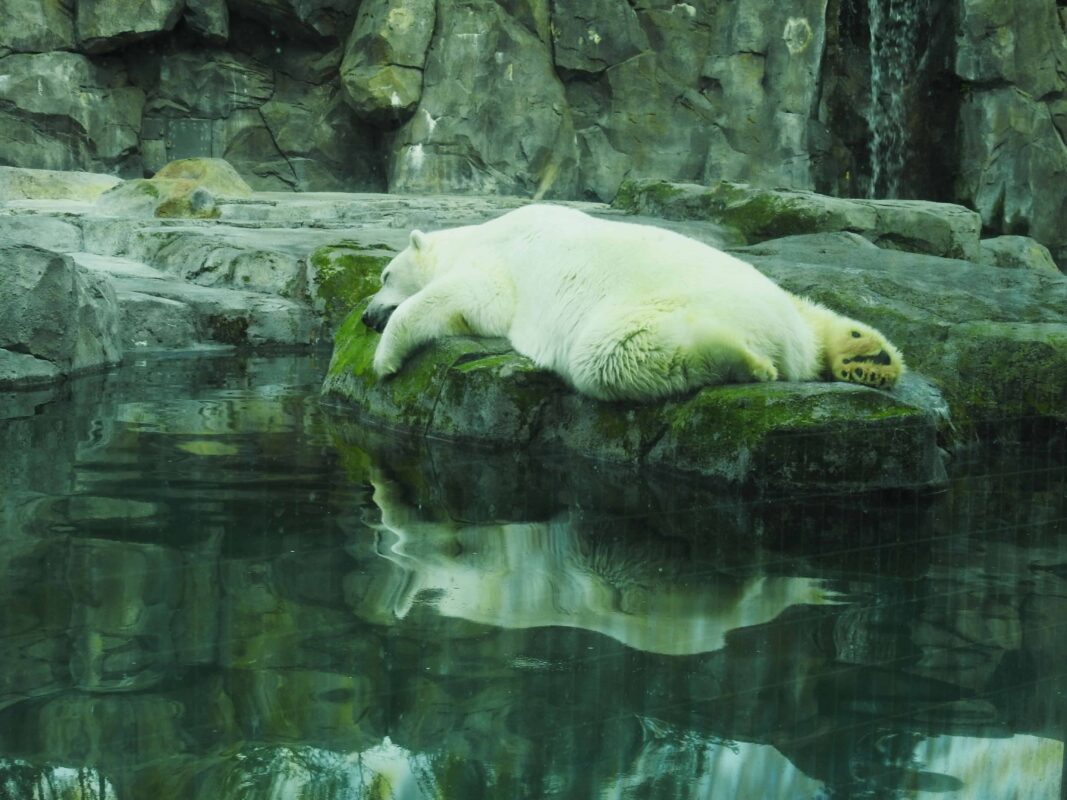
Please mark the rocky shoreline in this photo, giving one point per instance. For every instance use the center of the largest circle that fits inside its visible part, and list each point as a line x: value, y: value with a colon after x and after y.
x: 89, y: 283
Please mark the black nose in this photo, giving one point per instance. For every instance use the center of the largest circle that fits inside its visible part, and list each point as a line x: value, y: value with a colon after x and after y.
x: 375, y: 318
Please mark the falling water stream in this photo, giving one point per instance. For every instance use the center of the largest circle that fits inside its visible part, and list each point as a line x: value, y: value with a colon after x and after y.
x: 895, y: 60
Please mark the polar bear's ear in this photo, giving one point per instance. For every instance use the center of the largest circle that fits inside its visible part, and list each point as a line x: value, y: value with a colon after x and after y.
x: 418, y: 240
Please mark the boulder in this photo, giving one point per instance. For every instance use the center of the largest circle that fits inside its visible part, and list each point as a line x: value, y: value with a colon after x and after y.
x: 993, y: 341
x: 55, y: 314
x: 36, y: 27
x: 62, y: 111
x: 772, y: 437
x: 1016, y: 252
x: 384, y: 58
x: 184, y: 188
x: 758, y: 214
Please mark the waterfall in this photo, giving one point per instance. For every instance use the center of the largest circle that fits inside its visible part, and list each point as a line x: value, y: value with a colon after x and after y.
x: 895, y: 65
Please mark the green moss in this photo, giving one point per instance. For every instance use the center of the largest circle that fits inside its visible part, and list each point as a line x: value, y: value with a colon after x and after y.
x: 765, y: 216
x: 637, y: 196
x: 181, y: 206
x: 343, y: 274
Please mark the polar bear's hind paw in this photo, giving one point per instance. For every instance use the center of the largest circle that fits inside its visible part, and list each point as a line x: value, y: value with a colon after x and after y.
x: 864, y: 356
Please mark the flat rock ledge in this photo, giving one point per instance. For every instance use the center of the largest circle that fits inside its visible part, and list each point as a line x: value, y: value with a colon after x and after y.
x: 777, y: 437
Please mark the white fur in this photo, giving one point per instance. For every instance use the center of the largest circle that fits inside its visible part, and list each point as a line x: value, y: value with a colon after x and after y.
x: 619, y: 310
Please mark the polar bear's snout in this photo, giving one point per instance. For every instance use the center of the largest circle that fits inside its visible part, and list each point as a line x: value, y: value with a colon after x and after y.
x: 376, y: 316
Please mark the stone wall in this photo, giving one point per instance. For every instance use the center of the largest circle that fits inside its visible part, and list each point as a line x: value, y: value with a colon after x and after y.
x: 552, y: 98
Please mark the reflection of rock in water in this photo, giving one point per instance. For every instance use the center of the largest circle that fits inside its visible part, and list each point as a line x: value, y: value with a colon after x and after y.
x: 566, y: 572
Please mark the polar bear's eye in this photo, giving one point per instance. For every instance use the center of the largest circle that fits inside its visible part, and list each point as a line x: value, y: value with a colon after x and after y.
x: 855, y: 334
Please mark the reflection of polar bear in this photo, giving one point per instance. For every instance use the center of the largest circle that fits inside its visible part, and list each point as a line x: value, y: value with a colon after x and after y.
x: 621, y: 311
x: 547, y: 574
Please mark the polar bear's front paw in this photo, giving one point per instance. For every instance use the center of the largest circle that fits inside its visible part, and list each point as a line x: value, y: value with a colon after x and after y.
x: 384, y: 364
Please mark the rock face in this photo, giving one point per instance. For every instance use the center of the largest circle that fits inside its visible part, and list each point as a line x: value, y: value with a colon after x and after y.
x: 1013, y: 121
x: 55, y: 319
x: 384, y: 58
x: 101, y: 29
x: 556, y: 98
x: 514, y: 135
x: 64, y: 111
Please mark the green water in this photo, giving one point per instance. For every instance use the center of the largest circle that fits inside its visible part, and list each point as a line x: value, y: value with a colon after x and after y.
x: 210, y: 587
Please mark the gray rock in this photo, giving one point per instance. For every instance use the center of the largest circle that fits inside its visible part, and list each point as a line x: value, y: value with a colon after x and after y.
x: 493, y: 118
x: 36, y: 27
x: 592, y: 36
x: 762, y: 75
x: 159, y: 311
x: 306, y: 19
x: 42, y: 184
x: 1017, y: 252
x: 1021, y: 44
x: 1013, y: 166
x: 209, y: 84
x: 39, y: 231
x: 63, y: 111
x: 102, y: 27
x: 22, y: 370
x: 768, y: 436
x: 316, y: 132
x: 993, y: 341
x: 55, y: 312
x: 756, y: 214
x: 209, y: 18
x: 384, y: 58
x: 636, y: 120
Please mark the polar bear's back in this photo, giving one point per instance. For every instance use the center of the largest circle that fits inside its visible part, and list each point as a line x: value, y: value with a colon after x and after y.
x: 564, y: 259
x: 573, y: 273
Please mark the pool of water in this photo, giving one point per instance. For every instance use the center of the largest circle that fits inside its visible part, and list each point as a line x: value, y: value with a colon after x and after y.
x: 211, y: 587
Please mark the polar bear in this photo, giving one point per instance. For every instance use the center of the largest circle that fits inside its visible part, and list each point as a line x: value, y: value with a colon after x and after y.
x: 620, y: 311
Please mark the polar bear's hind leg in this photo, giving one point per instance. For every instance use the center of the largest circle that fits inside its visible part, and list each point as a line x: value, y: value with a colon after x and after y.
x: 650, y: 358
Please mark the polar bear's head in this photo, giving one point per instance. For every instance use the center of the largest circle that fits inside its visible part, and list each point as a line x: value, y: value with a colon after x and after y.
x: 402, y: 277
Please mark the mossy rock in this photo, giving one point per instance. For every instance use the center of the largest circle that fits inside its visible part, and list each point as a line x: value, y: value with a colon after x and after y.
x: 340, y: 275
x: 214, y: 174
x: 189, y: 188
x: 755, y: 214
x: 758, y: 215
x: 774, y: 437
